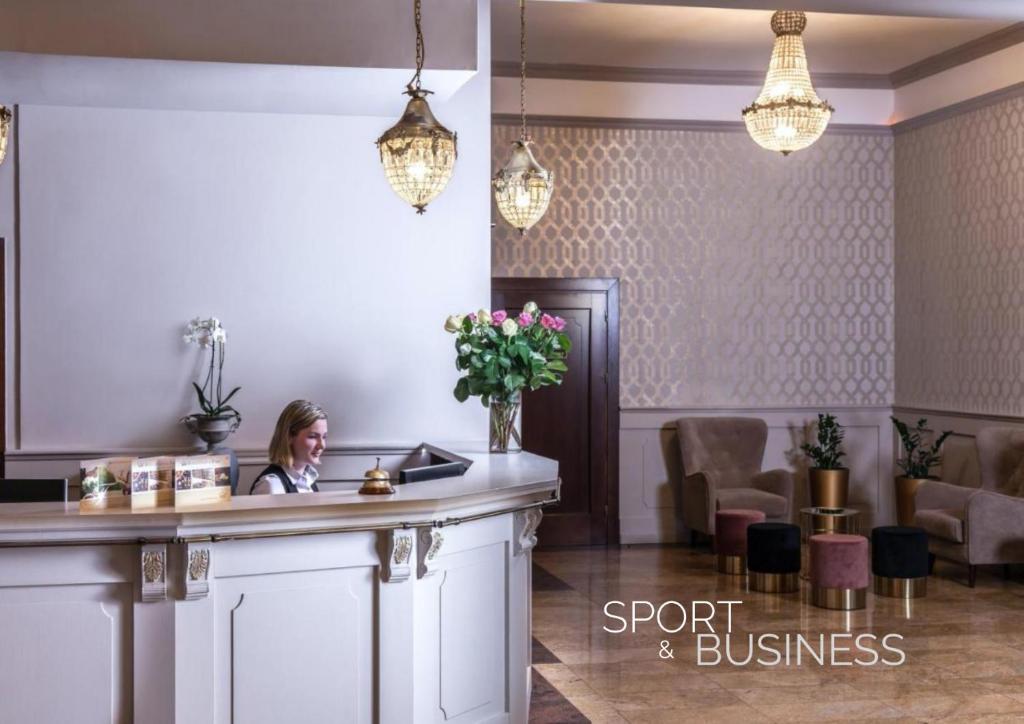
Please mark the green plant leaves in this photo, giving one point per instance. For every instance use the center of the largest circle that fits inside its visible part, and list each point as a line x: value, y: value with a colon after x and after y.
x: 918, y: 459
x: 461, y: 391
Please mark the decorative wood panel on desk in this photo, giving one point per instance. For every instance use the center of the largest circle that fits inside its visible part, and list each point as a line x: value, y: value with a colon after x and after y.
x: 325, y: 607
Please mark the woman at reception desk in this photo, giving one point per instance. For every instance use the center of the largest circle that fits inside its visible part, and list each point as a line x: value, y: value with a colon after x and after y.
x: 300, y: 438
x: 335, y: 607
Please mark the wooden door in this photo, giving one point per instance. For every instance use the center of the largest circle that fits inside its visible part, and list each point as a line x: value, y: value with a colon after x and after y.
x: 576, y: 422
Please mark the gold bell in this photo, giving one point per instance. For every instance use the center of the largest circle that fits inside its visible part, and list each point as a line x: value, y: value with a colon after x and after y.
x: 377, y: 482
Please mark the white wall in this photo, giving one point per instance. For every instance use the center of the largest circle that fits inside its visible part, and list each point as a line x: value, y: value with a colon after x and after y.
x: 123, y: 223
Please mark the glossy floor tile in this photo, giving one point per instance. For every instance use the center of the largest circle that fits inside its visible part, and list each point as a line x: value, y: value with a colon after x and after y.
x: 955, y: 655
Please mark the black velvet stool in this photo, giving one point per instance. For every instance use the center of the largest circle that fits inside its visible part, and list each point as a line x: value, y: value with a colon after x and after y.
x: 899, y: 561
x: 773, y: 557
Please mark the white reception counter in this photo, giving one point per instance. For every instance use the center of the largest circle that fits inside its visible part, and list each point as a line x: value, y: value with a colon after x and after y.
x: 330, y: 607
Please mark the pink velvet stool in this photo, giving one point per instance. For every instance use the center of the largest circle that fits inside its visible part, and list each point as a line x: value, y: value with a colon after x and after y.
x: 839, y: 571
x: 731, y: 539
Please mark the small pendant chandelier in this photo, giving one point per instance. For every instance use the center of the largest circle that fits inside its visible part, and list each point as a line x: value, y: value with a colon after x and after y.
x: 5, y: 130
x: 522, y: 189
x: 418, y: 153
x: 788, y: 115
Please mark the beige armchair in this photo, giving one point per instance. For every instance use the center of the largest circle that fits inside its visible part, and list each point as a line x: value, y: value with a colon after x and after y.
x: 979, y: 526
x: 722, y: 469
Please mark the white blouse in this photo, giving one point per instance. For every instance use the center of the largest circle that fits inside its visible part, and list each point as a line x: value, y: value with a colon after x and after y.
x: 272, y: 484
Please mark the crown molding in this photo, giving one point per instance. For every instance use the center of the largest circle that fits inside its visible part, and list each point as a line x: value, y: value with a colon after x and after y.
x: 932, y: 65
x: 977, y: 48
x: 671, y: 124
x: 957, y: 109
x: 1009, y: 10
x: 680, y: 76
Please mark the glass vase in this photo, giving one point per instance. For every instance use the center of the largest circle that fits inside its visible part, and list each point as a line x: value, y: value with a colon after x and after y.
x: 506, y: 425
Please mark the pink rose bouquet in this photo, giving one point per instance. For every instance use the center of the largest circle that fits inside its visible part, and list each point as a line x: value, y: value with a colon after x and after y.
x: 501, y: 355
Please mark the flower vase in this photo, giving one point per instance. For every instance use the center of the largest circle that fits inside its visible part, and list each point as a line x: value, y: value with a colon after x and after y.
x: 506, y: 425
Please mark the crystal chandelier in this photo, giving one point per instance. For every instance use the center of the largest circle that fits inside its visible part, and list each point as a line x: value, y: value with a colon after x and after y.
x: 522, y: 189
x: 5, y: 130
x: 418, y: 153
x: 788, y: 115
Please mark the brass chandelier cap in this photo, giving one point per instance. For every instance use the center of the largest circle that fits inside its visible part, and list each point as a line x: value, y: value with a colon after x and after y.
x: 417, y: 120
x: 522, y: 163
x: 788, y: 22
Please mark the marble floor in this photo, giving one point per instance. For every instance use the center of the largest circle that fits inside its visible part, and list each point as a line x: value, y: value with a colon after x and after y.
x: 963, y: 648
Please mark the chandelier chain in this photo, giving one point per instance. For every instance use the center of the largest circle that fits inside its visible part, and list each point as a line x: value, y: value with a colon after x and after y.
x: 420, y: 50
x: 522, y: 69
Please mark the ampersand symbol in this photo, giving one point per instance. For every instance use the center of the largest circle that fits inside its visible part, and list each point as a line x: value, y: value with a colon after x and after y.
x: 666, y: 652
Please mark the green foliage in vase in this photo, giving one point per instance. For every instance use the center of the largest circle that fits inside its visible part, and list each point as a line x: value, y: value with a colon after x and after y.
x: 918, y: 458
x: 827, y: 453
x: 501, y: 355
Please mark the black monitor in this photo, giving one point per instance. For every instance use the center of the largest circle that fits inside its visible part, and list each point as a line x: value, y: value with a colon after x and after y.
x: 34, y: 491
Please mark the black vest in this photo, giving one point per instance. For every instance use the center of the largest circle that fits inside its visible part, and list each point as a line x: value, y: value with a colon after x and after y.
x: 289, y: 486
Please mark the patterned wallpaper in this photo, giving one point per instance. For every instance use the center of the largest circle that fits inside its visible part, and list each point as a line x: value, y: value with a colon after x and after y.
x: 748, y: 279
x: 960, y: 262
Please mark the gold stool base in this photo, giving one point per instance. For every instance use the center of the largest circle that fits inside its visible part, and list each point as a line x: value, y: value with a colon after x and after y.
x: 732, y: 565
x: 840, y: 599
x: 774, y: 582
x: 901, y: 587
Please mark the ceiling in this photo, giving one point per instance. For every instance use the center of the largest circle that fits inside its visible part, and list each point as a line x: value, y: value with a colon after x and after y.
x: 695, y: 38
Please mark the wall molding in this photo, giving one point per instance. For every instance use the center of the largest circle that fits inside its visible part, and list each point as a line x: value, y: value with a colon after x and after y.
x: 680, y: 76
x: 244, y: 454
x: 664, y: 124
x: 924, y: 68
x: 963, y: 415
x: 958, y: 109
x: 972, y: 50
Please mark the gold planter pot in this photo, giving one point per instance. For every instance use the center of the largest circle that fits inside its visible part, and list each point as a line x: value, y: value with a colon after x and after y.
x: 829, y: 488
x: 905, y: 490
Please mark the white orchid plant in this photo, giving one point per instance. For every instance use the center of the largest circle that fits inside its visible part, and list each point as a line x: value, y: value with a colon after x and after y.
x: 209, y: 333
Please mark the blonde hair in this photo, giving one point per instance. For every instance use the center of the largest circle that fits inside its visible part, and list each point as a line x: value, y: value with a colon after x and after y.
x: 298, y: 415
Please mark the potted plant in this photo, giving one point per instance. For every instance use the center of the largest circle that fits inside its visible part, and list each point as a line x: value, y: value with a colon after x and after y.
x: 218, y: 419
x: 829, y: 480
x: 501, y: 355
x: 916, y: 463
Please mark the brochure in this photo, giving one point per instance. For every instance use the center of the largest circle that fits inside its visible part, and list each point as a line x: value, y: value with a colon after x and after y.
x: 202, y: 480
x: 105, y: 484
x: 152, y: 482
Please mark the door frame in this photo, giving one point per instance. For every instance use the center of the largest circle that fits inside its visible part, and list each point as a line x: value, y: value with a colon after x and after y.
x: 609, y: 286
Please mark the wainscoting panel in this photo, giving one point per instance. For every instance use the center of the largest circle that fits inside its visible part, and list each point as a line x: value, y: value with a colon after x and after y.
x: 295, y: 654
x: 650, y: 468
x: 66, y: 621
x: 295, y: 646
x: 461, y: 616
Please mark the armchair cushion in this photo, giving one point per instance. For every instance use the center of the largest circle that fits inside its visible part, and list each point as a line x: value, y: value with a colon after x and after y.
x: 773, y: 506
x: 943, y: 523
x: 995, y: 528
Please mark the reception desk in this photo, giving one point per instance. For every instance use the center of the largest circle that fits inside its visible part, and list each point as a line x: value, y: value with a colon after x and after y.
x: 329, y: 607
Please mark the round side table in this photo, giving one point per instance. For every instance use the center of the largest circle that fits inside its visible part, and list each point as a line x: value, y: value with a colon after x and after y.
x: 823, y: 521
